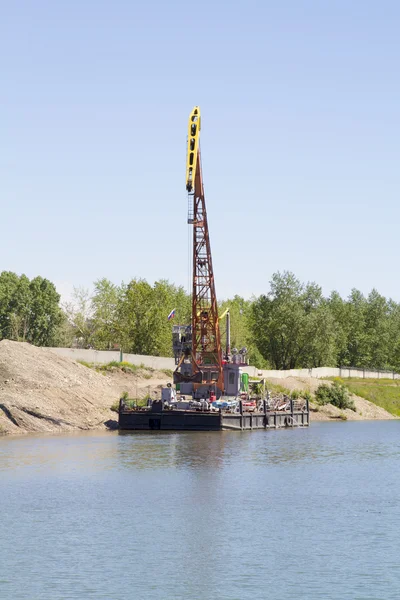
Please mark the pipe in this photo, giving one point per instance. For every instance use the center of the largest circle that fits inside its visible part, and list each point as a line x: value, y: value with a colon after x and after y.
x: 228, y: 334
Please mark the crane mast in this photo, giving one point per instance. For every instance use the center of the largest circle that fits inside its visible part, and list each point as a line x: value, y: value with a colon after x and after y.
x: 206, y: 338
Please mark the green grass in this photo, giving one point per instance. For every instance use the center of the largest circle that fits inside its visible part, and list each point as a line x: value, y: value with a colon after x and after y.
x: 382, y: 392
x: 167, y: 372
x: 126, y: 367
x: 85, y: 364
x: 276, y: 388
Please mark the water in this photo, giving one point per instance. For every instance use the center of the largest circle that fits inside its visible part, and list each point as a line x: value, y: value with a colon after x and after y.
x: 297, y: 514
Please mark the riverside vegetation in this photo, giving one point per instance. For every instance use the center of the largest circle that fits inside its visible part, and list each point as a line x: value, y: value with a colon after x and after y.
x: 292, y: 325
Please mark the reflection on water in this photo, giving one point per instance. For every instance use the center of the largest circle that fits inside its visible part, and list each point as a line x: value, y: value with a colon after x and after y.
x: 292, y: 514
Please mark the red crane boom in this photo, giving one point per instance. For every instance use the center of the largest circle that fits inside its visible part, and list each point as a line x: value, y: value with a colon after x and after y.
x: 206, y: 338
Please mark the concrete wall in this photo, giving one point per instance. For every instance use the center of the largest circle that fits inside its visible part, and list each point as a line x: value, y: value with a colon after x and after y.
x: 320, y: 372
x: 159, y: 362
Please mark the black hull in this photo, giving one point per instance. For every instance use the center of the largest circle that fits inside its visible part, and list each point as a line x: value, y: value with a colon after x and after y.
x: 189, y: 420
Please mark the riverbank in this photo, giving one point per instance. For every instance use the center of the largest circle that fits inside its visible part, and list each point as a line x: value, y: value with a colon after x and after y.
x: 41, y: 391
x: 365, y: 410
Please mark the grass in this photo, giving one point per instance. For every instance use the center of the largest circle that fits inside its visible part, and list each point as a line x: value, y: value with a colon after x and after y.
x: 126, y: 367
x: 382, y: 392
x: 276, y: 388
x: 167, y: 372
x: 85, y: 364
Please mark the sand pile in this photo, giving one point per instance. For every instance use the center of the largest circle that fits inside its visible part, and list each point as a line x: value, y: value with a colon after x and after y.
x: 40, y: 391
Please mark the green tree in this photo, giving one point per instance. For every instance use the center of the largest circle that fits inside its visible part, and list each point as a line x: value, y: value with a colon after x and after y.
x: 29, y: 310
x: 79, y: 314
x: 357, y: 354
x: 45, y: 312
x: 143, y: 316
x: 105, y: 304
x: 8, y: 287
x: 377, y: 331
x: 292, y: 326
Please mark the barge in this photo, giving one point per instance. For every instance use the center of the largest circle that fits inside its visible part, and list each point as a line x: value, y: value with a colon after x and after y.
x: 160, y: 416
x: 213, y: 391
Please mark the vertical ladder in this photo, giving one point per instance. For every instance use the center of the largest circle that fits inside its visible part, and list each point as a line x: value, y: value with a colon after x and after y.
x: 190, y: 209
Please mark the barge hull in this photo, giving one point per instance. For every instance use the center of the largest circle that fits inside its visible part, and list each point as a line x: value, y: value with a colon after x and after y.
x: 181, y: 420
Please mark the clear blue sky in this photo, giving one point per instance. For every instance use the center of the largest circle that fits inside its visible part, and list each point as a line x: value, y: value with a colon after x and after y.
x: 300, y: 140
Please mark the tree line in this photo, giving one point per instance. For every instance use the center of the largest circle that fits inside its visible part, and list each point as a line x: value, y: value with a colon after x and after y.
x: 292, y: 325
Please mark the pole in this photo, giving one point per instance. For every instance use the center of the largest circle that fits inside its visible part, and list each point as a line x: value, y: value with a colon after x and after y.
x: 228, y: 334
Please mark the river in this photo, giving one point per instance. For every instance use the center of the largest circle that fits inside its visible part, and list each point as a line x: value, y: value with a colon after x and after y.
x: 288, y: 514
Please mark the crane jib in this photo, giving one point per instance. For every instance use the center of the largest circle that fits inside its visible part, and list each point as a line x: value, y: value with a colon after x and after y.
x: 192, y: 147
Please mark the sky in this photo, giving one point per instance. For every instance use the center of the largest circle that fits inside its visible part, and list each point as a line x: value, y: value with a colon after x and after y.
x: 300, y: 140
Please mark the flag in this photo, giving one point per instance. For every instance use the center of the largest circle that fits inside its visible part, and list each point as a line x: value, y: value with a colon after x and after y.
x: 171, y: 314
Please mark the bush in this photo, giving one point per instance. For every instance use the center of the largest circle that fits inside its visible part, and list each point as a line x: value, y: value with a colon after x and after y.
x: 336, y: 394
x: 300, y: 394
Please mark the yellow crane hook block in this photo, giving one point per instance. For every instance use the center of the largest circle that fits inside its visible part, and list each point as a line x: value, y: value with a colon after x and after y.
x: 192, y: 147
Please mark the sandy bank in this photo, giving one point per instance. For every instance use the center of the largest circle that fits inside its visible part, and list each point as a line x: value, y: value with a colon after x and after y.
x: 43, y: 392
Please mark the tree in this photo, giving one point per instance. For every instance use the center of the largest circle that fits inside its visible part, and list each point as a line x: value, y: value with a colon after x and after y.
x: 292, y: 326
x: 357, y: 354
x: 29, y: 310
x: 105, y: 304
x: 8, y: 287
x: 79, y: 314
x: 45, y: 313
x: 377, y: 332
x: 339, y: 309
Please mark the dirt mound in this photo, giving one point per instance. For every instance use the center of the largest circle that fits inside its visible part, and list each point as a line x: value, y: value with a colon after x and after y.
x: 44, y: 392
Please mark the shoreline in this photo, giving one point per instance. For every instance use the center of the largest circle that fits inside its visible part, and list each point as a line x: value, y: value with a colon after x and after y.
x: 42, y: 392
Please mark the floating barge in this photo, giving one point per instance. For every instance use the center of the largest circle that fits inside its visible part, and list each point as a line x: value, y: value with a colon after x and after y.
x: 212, y: 389
x: 158, y: 417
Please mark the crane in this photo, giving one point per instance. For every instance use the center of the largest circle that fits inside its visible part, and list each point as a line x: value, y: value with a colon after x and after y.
x: 206, y: 352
